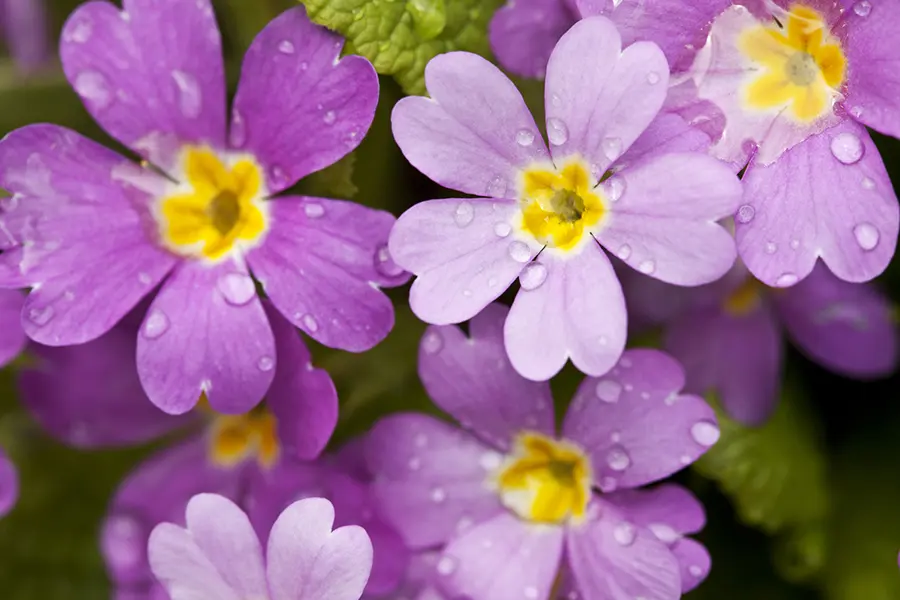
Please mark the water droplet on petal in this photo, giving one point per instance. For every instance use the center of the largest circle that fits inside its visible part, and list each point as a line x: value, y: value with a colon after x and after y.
x: 447, y: 565
x: 286, y: 47
x: 705, y: 433
x: 41, y: 316
x: 624, y: 533
x: 533, y: 276
x: 524, y: 137
x: 502, y: 229
x: 608, y: 390
x: 144, y: 278
x: 237, y: 136
x: 330, y: 117
x: 496, y: 188
x: 519, y: 252
x: 490, y: 461
x: 868, y: 183
x: 847, y: 148
x: 438, y: 495
x: 93, y: 87
x: 612, y: 147
x: 608, y: 485
x: 624, y: 251
x: 652, y: 77
x: 746, y: 213
x: 863, y: 8
x: 867, y: 236
x: 384, y: 264
x: 531, y: 592
x: 856, y: 112
x: 664, y: 533
x: 265, y: 364
x: 786, y: 280
x: 432, y: 342
x: 695, y: 570
x: 415, y: 463
x: 555, y: 100
x: 464, y: 214
x: 156, y: 324
x: 237, y: 288
x: 310, y: 323
x: 79, y: 32
x: 795, y: 244
x: 615, y: 188
x: 190, y: 98
x: 313, y: 210
x: 557, y: 132
x: 618, y: 459
x: 647, y: 267
x: 771, y: 247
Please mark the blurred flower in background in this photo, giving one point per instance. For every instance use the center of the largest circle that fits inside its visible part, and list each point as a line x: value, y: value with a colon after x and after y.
x: 26, y: 32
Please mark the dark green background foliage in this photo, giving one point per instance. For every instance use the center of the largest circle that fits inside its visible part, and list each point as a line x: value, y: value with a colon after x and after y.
x: 806, y: 507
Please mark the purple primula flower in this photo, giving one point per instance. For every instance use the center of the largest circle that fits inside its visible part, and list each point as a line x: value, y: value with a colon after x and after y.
x: 728, y: 335
x: 617, y: 175
x: 218, y: 555
x: 25, y: 31
x: 95, y: 233
x: 9, y: 484
x: 479, y: 491
x: 798, y: 81
x: 524, y: 32
x: 12, y: 338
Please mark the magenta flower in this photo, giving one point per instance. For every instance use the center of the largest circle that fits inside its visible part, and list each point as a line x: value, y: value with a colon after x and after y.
x: 728, y: 335
x: 218, y: 555
x: 12, y: 338
x: 25, y: 29
x: 798, y: 82
x: 9, y: 484
x: 95, y: 233
x: 524, y: 32
x: 615, y: 176
x: 513, y: 505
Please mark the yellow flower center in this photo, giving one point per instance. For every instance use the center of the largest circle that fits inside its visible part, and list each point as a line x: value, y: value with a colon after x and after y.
x: 545, y: 480
x: 218, y: 206
x: 237, y: 438
x: 560, y: 206
x: 745, y: 298
x: 802, y: 65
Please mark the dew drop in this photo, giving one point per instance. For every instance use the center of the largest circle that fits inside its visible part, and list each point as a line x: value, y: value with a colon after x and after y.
x: 695, y: 570
x: 647, y: 267
x: 384, y: 264
x: 524, y: 137
x: 237, y: 288
x: 531, y: 592
x: 786, y: 280
x: 156, y: 324
x: 795, y: 244
x: 421, y: 440
x: 771, y: 247
x: 41, y: 316
x: 867, y: 236
x: 624, y: 533
x: 69, y: 295
x: 490, y: 461
x: 705, y: 433
x: 447, y: 565
x: 615, y: 188
x: 414, y: 464
x: 438, y: 495
x: 618, y: 459
x: 237, y: 135
x: 868, y: 183
x: 313, y: 210
x: 612, y: 147
x: 746, y: 213
x: 265, y: 364
x: 608, y: 390
x: 533, y: 276
x: 496, y: 187
x: 555, y: 100
x: 557, y: 132
x: 464, y: 214
x: 144, y: 278
x: 856, y: 112
x: 9, y: 204
x: 286, y: 47
x: 502, y: 229
x: 664, y: 533
x: 310, y: 323
x: 79, y: 32
x: 519, y: 252
x: 862, y: 8
x: 652, y: 77
x: 608, y: 485
x: 190, y: 98
x: 330, y: 117
x: 432, y: 342
x: 624, y: 251
x: 93, y: 87
x: 847, y: 148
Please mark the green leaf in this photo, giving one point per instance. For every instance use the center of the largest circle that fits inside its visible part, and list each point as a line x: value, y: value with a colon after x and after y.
x: 774, y: 474
x: 401, y: 36
x: 335, y: 181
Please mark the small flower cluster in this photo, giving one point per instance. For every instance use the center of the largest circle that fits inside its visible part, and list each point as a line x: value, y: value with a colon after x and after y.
x: 700, y: 158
